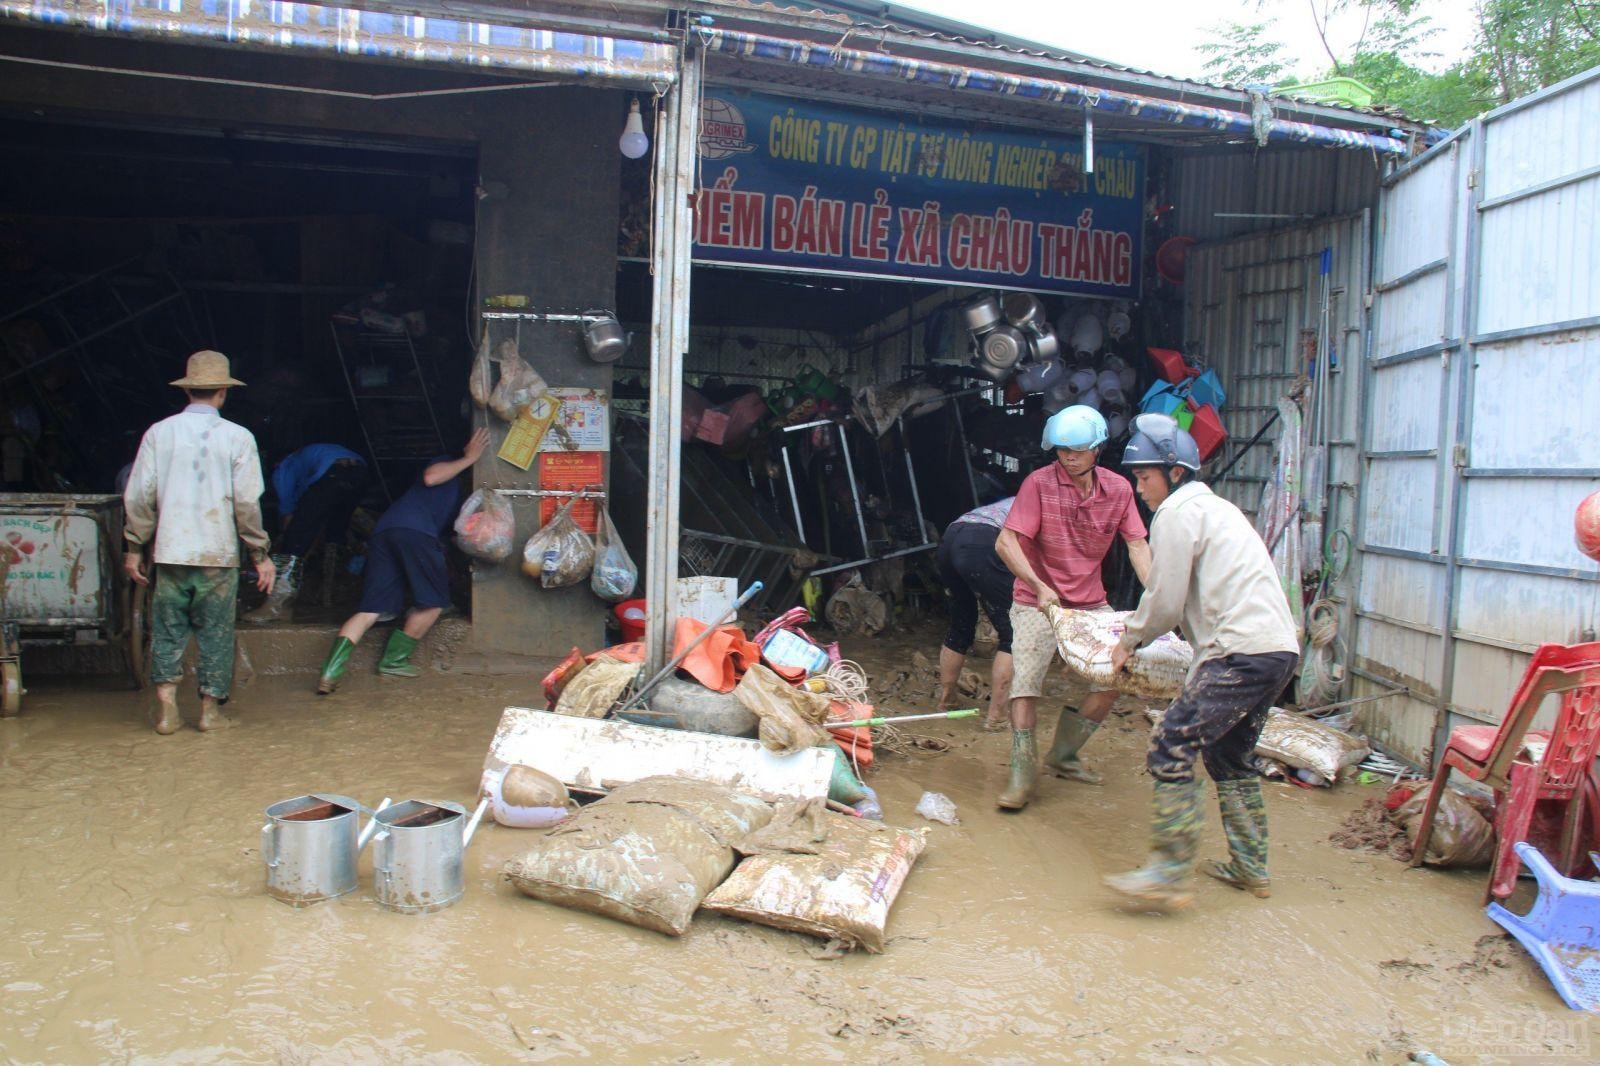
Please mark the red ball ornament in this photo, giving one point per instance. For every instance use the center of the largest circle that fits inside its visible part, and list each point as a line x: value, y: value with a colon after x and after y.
x: 1586, y: 526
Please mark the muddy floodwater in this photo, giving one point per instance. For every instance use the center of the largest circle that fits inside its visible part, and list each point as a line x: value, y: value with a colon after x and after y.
x: 134, y: 925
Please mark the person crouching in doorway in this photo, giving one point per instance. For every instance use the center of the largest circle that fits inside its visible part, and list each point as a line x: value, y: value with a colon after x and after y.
x: 973, y: 575
x: 406, y: 561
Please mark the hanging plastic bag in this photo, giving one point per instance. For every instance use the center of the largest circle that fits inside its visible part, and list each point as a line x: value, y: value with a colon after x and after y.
x: 614, y: 573
x: 485, y: 527
x: 480, y: 383
x: 519, y: 385
x: 561, y: 553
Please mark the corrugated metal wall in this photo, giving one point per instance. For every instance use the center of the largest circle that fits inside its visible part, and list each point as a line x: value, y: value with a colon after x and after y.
x: 1279, y: 186
x: 1483, y: 387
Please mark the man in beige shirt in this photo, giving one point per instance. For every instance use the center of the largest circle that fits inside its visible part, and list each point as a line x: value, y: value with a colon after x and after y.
x: 1211, y: 571
x: 195, y: 490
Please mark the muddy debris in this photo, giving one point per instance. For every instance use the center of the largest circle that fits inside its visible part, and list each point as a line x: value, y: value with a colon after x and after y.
x: 1369, y: 828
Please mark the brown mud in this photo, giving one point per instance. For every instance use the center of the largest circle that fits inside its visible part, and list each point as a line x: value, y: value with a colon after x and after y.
x: 134, y: 924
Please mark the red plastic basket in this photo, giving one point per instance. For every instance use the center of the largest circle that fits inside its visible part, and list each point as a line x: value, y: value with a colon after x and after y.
x: 1207, y: 431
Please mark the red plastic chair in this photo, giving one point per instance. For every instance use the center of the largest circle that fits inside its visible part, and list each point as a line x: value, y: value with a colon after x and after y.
x: 1526, y: 768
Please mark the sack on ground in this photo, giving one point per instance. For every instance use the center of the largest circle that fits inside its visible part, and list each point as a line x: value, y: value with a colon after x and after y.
x: 791, y: 718
x: 646, y: 854
x: 841, y: 887
x: 596, y: 688
x: 1461, y: 835
x: 1086, y: 640
x: 519, y: 384
x: 480, y: 382
x: 614, y: 573
x: 561, y: 553
x: 1307, y: 744
x: 485, y: 526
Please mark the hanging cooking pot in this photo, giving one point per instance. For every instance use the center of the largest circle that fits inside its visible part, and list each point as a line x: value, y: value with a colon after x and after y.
x: 604, y: 338
x: 1046, y: 345
x: 982, y: 315
x: 1024, y: 311
x: 1002, y: 347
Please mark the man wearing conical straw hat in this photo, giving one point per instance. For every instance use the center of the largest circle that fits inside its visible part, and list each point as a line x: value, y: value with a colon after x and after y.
x: 195, y: 491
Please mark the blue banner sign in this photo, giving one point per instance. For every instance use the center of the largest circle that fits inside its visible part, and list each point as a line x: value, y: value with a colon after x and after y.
x: 787, y: 184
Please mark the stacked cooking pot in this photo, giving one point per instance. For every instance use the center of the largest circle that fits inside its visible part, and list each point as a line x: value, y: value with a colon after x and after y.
x: 1003, y: 340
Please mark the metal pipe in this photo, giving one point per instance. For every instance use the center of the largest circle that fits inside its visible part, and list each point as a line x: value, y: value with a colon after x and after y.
x: 672, y: 664
x: 911, y: 476
x: 966, y: 452
x: 855, y: 493
x: 794, y: 497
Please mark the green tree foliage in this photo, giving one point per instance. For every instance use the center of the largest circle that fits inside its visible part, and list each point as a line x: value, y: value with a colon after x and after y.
x: 1519, y: 46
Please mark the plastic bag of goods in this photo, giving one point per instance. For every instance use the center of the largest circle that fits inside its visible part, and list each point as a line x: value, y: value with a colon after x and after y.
x: 1461, y: 835
x: 646, y: 854
x: 791, y: 718
x: 519, y: 385
x: 1087, y: 638
x: 561, y: 553
x: 1307, y: 744
x: 480, y: 382
x: 614, y: 573
x: 485, y: 526
x: 843, y: 889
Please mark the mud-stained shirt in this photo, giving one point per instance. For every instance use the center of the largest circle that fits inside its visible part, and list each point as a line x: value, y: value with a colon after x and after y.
x: 196, y: 491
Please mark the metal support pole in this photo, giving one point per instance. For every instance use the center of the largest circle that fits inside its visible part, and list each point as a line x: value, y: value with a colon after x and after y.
x: 677, y: 143
x: 966, y: 451
x: 855, y: 493
x: 794, y: 497
x: 911, y: 476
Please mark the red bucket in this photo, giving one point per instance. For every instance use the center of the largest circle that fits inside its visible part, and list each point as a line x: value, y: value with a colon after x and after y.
x: 631, y: 615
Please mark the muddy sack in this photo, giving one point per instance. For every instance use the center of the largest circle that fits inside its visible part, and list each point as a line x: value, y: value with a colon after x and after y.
x: 1461, y: 835
x: 647, y: 854
x: 1086, y: 640
x: 596, y: 688
x: 1307, y: 744
x: 791, y: 718
x: 840, y: 887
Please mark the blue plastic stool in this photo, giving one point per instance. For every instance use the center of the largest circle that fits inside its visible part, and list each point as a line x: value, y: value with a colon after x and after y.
x: 1561, y: 930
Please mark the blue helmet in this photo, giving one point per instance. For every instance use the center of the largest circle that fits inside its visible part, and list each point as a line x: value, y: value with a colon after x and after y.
x: 1076, y: 427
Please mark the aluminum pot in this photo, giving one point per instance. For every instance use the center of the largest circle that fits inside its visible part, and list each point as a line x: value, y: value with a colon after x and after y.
x: 604, y: 338
x: 1002, y: 347
x: 417, y: 854
x: 309, y: 845
x: 1046, y: 345
x: 981, y: 315
x: 1024, y: 311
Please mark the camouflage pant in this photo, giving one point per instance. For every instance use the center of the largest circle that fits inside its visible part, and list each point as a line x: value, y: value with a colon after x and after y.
x: 198, y: 601
x: 1219, y: 716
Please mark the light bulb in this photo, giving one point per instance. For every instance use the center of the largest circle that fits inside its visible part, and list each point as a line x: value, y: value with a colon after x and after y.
x: 633, y: 143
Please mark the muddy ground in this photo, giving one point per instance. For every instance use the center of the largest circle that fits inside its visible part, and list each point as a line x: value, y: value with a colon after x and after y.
x: 133, y: 925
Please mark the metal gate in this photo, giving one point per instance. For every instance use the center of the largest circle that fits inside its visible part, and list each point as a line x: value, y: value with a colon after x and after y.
x: 1480, y: 389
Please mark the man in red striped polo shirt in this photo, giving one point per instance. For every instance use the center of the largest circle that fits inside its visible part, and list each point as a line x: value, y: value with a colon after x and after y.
x: 1063, y: 523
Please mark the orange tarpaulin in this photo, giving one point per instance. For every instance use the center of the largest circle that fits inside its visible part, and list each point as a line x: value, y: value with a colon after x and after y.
x: 855, y: 742
x: 720, y: 660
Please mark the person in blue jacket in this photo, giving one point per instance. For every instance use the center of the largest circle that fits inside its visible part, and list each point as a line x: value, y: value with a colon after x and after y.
x: 318, y: 489
x: 405, y: 561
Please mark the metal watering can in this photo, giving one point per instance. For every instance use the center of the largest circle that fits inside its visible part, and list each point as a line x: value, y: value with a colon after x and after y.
x: 310, y: 846
x: 417, y: 853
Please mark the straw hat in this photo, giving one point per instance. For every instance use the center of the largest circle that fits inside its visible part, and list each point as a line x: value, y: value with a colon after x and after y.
x: 207, y: 370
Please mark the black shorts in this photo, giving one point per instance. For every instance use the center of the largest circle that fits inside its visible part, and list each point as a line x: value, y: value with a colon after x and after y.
x: 402, y: 565
x: 973, y: 574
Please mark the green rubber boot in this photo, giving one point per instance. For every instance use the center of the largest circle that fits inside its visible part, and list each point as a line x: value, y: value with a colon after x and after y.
x: 1024, y: 771
x: 1244, y: 822
x: 1072, y: 733
x: 396, y: 658
x: 1163, y: 881
x: 333, y: 669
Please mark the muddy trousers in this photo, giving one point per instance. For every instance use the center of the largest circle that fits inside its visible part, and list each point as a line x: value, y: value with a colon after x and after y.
x: 1219, y: 717
x: 197, y: 601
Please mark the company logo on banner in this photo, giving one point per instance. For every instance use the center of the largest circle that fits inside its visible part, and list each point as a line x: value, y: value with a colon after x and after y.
x: 792, y: 185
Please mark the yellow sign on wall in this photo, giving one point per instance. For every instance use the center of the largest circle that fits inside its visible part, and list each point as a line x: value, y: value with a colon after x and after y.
x: 527, y: 432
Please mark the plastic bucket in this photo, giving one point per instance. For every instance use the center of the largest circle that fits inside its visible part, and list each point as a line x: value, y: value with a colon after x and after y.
x: 631, y: 615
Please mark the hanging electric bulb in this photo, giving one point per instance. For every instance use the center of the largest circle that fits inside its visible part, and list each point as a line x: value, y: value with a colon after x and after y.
x: 633, y: 143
